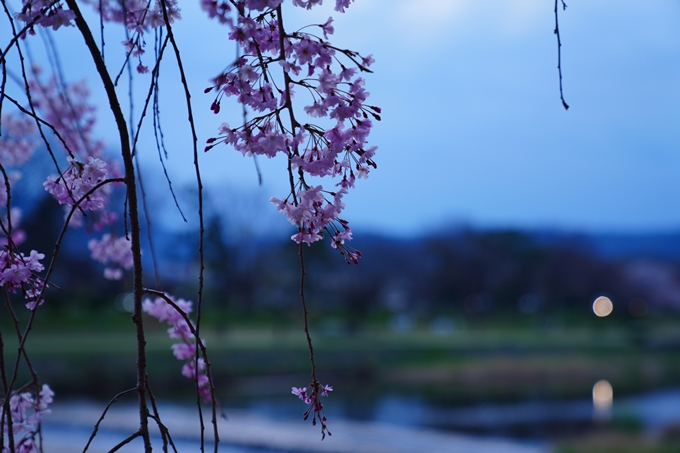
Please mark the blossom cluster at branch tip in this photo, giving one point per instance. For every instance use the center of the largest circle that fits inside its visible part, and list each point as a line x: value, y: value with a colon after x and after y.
x: 277, y: 65
x: 46, y: 13
x: 17, y: 273
x: 17, y: 145
x: 138, y: 17
x: 114, y: 251
x: 311, y: 397
x: 340, y: 5
x: 18, y: 140
x: 80, y: 186
x: 26, y: 413
x: 77, y: 181
x: 186, y: 348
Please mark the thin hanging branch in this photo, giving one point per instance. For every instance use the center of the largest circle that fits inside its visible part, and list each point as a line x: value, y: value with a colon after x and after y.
x: 559, y: 48
x: 138, y: 286
x: 113, y: 400
x: 201, y: 236
x: 305, y: 312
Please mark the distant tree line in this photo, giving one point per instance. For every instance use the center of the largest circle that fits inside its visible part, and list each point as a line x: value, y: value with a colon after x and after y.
x: 462, y: 272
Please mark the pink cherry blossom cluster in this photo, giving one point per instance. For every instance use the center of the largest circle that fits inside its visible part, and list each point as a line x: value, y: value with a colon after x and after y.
x: 26, y: 413
x: 340, y: 5
x: 12, y: 177
x: 138, y: 16
x: 17, y: 273
x: 315, y: 406
x: 114, y: 251
x: 77, y: 181
x: 47, y: 13
x: 275, y: 64
x: 18, y: 142
x: 323, y: 137
x: 18, y: 236
x: 186, y: 348
x: 218, y: 9
x: 66, y: 107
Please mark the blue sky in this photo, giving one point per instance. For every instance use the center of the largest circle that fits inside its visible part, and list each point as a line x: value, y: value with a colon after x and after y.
x: 473, y: 130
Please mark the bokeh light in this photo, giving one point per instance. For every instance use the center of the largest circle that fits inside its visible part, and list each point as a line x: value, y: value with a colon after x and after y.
x: 603, y: 395
x: 603, y: 306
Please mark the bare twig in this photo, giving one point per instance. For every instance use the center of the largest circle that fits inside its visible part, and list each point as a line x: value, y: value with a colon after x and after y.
x: 127, y: 440
x: 201, y: 234
x: 559, y: 49
x: 101, y: 418
x: 305, y: 312
x: 165, y: 433
x: 138, y: 287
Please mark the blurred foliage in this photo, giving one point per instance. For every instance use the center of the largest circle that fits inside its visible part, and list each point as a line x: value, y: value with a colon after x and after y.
x: 447, y: 279
x: 460, y: 367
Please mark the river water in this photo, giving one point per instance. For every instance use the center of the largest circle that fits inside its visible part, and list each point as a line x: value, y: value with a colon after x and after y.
x: 538, y: 419
x: 528, y: 424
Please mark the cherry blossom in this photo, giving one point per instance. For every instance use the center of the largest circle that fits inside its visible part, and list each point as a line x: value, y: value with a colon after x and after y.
x: 26, y: 413
x: 195, y: 367
x: 75, y: 183
x: 18, y: 140
x: 276, y: 64
x: 138, y: 17
x: 304, y: 100
x: 88, y: 166
x: 47, y: 13
x: 114, y: 251
x: 315, y: 409
x: 66, y: 107
x: 18, y: 273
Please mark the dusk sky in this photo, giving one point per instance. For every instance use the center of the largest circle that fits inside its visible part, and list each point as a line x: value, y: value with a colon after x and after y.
x: 473, y: 129
x: 474, y: 132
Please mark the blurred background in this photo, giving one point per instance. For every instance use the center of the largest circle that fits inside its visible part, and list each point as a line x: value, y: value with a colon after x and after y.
x: 571, y: 338
x: 494, y: 222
